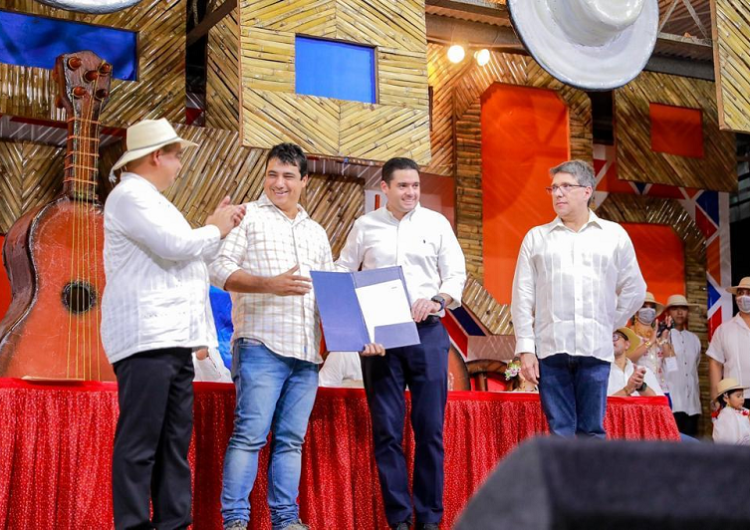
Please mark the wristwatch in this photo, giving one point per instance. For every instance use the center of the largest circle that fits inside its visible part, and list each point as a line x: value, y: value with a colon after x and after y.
x: 641, y: 388
x: 440, y: 300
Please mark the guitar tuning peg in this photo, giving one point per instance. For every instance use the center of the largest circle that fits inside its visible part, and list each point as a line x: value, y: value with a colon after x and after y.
x: 74, y: 63
x: 102, y: 94
x: 91, y: 75
x: 105, y: 68
x: 59, y: 102
x: 79, y: 92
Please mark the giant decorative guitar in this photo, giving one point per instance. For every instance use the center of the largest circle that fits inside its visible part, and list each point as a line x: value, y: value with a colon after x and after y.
x: 53, y: 253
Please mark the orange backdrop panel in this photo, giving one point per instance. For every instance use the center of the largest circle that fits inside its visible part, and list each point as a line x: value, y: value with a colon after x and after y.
x: 524, y: 133
x: 676, y: 130
x: 4, y: 286
x: 661, y: 256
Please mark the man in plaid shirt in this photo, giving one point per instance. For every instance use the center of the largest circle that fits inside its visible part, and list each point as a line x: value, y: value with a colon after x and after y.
x: 265, y: 263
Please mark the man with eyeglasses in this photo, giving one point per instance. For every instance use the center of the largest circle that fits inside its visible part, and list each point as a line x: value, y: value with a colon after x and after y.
x: 577, y: 279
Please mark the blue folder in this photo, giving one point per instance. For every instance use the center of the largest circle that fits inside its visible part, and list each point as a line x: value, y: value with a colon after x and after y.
x: 343, y: 322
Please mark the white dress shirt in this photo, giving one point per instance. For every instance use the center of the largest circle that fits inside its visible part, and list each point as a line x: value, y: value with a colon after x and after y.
x: 572, y: 289
x: 268, y: 243
x: 730, y: 346
x: 341, y: 369
x: 619, y: 378
x: 423, y: 243
x: 732, y: 427
x: 157, y: 282
x: 683, y: 382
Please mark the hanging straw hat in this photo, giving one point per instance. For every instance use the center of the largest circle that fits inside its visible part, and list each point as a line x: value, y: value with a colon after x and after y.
x: 630, y: 335
x: 590, y: 44
x: 744, y: 284
x: 727, y: 385
x: 659, y: 305
x: 678, y: 300
x: 146, y: 137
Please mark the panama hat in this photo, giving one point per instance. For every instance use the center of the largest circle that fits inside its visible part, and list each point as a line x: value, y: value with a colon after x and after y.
x: 727, y: 385
x: 146, y: 137
x: 659, y: 305
x: 589, y: 44
x: 634, y: 339
x: 677, y: 300
x: 744, y: 284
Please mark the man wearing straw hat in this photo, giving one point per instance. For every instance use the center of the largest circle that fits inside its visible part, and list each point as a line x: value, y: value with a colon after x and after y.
x: 153, y: 318
x: 626, y: 379
x: 265, y: 263
x: 729, y: 351
x: 682, y: 381
x: 577, y: 279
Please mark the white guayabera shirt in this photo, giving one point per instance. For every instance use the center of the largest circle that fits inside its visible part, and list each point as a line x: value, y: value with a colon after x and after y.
x: 572, y: 289
x: 157, y: 280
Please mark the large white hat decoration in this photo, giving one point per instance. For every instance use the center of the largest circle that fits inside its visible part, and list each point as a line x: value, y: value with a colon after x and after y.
x: 589, y: 44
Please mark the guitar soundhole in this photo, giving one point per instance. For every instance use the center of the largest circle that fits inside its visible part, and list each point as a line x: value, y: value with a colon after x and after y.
x: 78, y: 297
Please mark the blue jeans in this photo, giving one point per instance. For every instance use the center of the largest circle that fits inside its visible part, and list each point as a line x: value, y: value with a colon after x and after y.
x: 573, y: 391
x: 273, y: 393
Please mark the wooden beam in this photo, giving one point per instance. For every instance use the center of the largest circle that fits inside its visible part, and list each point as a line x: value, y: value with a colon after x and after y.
x: 210, y: 20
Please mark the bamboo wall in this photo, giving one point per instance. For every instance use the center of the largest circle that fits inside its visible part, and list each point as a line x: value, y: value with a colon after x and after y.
x: 716, y: 170
x: 732, y: 62
x: 159, y: 91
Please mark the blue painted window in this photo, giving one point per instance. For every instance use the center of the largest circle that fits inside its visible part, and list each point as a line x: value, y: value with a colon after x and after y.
x: 333, y: 69
x: 28, y: 40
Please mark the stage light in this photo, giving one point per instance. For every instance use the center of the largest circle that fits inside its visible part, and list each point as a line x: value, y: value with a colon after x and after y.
x: 456, y: 53
x: 482, y: 56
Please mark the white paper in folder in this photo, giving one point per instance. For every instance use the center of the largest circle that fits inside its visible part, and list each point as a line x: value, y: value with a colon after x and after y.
x: 383, y: 304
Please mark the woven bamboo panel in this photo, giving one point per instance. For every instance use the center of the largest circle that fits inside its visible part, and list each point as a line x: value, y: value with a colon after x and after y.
x: 732, y: 62
x: 310, y: 17
x: 388, y: 23
x: 495, y: 317
x: 638, y: 162
x: 469, y: 188
x: 223, y: 75
x: 267, y: 60
x: 624, y: 208
x: 271, y: 112
x: 401, y: 79
x: 159, y: 91
x: 335, y: 202
x: 30, y: 175
x: 383, y: 132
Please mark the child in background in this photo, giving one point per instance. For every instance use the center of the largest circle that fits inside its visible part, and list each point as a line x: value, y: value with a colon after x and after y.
x: 733, y: 424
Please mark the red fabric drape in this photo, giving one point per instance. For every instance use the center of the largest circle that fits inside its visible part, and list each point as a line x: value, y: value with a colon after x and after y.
x: 56, y: 446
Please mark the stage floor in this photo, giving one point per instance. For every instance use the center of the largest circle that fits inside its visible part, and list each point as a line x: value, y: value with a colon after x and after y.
x: 56, y: 446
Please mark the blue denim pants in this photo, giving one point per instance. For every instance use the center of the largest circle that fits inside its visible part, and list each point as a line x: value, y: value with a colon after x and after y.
x: 573, y: 391
x: 274, y: 393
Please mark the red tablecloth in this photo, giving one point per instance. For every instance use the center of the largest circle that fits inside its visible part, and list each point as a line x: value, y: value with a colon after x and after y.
x: 56, y: 444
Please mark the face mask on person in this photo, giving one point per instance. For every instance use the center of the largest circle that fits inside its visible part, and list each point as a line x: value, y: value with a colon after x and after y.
x: 646, y: 315
x: 743, y: 302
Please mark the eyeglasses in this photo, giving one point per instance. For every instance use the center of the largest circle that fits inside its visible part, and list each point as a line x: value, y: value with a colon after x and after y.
x: 565, y: 188
x: 616, y: 337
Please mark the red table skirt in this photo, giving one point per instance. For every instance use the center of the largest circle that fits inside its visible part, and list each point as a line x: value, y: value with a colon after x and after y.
x: 56, y: 446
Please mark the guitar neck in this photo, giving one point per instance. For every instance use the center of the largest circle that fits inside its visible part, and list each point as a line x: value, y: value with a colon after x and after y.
x: 81, y: 175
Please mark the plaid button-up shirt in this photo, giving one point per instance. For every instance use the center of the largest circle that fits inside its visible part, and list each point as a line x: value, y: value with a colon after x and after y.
x: 268, y: 243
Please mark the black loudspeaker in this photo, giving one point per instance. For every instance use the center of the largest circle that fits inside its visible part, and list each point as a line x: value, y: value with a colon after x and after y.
x: 565, y: 484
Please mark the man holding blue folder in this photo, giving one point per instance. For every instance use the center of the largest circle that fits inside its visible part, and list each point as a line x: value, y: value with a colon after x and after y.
x: 422, y: 242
